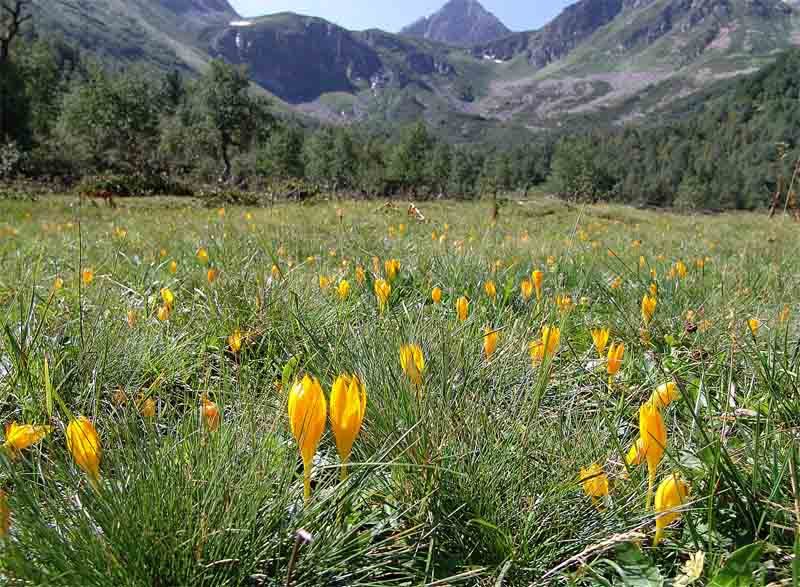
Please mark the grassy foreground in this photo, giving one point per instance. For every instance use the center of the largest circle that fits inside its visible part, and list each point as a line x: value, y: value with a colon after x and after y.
x: 471, y: 477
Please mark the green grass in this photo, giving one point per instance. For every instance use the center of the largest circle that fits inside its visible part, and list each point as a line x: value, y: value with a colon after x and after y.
x: 471, y: 481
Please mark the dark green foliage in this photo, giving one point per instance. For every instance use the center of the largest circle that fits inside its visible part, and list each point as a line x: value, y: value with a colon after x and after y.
x: 576, y: 173
x: 330, y: 158
x: 131, y: 185
x: 15, y: 113
x: 409, y: 161
x: 232, y: 116
x: 281, y: 155
x: 110, y: 121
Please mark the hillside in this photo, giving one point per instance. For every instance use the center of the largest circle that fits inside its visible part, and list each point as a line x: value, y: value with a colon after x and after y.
x: 161, y: 32
x: 462, y: 23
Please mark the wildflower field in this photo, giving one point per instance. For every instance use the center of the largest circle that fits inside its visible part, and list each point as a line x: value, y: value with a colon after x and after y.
x: 339, y: 394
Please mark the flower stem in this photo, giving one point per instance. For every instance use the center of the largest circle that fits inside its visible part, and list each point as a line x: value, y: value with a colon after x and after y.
x: 307, y: 481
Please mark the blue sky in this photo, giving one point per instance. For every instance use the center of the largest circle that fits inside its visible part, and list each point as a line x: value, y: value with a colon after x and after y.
x: 391, y: 15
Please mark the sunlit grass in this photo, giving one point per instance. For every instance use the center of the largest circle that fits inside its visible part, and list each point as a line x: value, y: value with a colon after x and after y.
x: 467, y: 467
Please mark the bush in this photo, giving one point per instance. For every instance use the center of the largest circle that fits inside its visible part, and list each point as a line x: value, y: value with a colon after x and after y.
x: 131, y: 185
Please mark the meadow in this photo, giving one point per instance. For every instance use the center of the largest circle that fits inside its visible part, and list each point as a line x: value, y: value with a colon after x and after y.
x: 496, y: 440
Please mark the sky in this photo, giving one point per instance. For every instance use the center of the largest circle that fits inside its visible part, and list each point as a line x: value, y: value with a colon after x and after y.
x: 392, y: 15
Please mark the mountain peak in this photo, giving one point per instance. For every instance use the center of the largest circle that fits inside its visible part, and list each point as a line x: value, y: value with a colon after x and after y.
x: 463, y: 23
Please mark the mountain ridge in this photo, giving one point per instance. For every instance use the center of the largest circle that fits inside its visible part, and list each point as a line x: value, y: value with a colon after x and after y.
x: 461, y: 23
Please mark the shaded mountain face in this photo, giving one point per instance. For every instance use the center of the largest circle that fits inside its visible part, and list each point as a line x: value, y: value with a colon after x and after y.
x: 461, y: 23
x: 300, y: 58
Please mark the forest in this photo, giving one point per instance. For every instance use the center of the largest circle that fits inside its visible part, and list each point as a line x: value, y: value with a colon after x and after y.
x: 67, y: 117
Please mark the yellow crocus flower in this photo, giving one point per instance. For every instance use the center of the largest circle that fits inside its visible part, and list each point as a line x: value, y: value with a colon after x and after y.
x: 209, y: 412
x: 664, y: 395
x: 594, y: 481
x: 307, y: 415
x: 547, y: 346
x: 649, y: 303
x: 538, y: 278
x: 21, y: 436
x: 382, y: 291
x: 615, y: 354
x: 235, y: 341
x: 672, y: 493
x: 600, y: 339
x: 392, y: 267
x: 653, y: 434
x: 163, y: 313
x: 462, y: 308
x: 490, y: 338
x: 526, y: 289
x: 84, y: 444
x: 147, y: 408
x: 348, y: 406
x: 168, y: 297
x: 413, y: 362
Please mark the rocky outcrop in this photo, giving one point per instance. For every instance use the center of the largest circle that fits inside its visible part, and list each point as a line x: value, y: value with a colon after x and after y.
x: 461, y: 23
x: 573, y: 26
x: 652, y: 19
x: 301, y: 59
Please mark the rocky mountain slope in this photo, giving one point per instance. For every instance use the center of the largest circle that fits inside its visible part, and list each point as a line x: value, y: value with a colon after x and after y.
x: 462, y: 23
x: 160, y: 32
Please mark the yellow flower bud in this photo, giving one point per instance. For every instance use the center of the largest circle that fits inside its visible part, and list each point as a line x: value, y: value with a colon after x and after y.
x: 413, y: 362
x: 84, y: 444
x: 672, y: 493
x: 348, y: 406
x: 307, y: 414
x: 462, y: 308
x: 490, y: 337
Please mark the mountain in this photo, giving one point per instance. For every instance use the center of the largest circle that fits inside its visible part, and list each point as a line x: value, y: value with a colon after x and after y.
x: 626, y: 59
x: 159, y: 32
x: 598, y: 62
x: 461, y: 23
